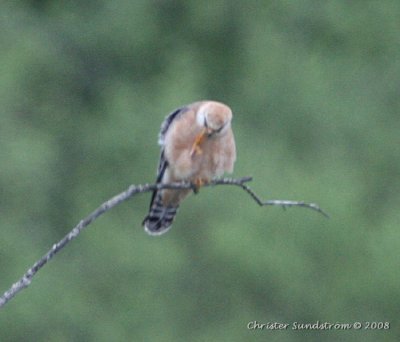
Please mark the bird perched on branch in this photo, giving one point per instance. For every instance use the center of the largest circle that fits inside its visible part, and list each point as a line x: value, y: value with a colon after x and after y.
x: 197, y: 144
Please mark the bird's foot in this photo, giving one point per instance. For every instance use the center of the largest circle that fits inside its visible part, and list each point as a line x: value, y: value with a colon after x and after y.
x: 196, y: 149
x: 197, y: 184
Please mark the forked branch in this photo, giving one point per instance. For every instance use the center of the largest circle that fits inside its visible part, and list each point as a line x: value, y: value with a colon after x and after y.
x: 123, y: 196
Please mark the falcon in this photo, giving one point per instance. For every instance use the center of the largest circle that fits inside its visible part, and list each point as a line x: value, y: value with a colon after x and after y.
x: 197, y: 145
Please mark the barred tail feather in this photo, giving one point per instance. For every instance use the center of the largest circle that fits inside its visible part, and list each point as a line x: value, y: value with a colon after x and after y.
x: 159, y: 219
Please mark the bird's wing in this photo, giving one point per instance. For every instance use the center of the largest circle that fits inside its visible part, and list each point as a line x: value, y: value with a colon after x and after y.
x: 163, y: 162
x: 167, y: 123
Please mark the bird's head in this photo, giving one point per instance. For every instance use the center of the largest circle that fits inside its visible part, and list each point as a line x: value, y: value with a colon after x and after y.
x: 215, y: 117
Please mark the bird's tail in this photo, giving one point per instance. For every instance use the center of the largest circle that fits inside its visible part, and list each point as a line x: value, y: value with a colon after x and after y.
x: 160, y: 217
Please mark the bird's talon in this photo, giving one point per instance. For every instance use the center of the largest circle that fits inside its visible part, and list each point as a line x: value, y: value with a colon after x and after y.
x: 195, y: 150
x: 197, y: 184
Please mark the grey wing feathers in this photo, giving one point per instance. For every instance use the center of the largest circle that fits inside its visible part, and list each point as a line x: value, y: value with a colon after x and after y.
x: 167, y: 122
x: 163, y: 163
x: 162, y: 166
x: 159, y: 218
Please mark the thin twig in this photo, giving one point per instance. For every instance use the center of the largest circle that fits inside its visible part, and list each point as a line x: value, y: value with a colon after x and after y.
x: 123, y: 196
x: 283, y: 203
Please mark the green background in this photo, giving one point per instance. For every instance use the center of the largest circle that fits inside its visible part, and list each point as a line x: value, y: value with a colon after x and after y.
x: 314, y: 87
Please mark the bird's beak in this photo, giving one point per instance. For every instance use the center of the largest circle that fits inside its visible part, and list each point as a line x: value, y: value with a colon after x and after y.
x: 205, y: 132
x: 208, y: 131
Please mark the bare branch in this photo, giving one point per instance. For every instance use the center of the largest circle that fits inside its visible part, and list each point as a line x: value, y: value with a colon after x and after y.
x: 123, y: 196
x: 283, y: 203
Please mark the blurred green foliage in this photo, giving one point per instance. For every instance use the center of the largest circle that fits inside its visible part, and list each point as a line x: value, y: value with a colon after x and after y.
x: 314, y: 86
